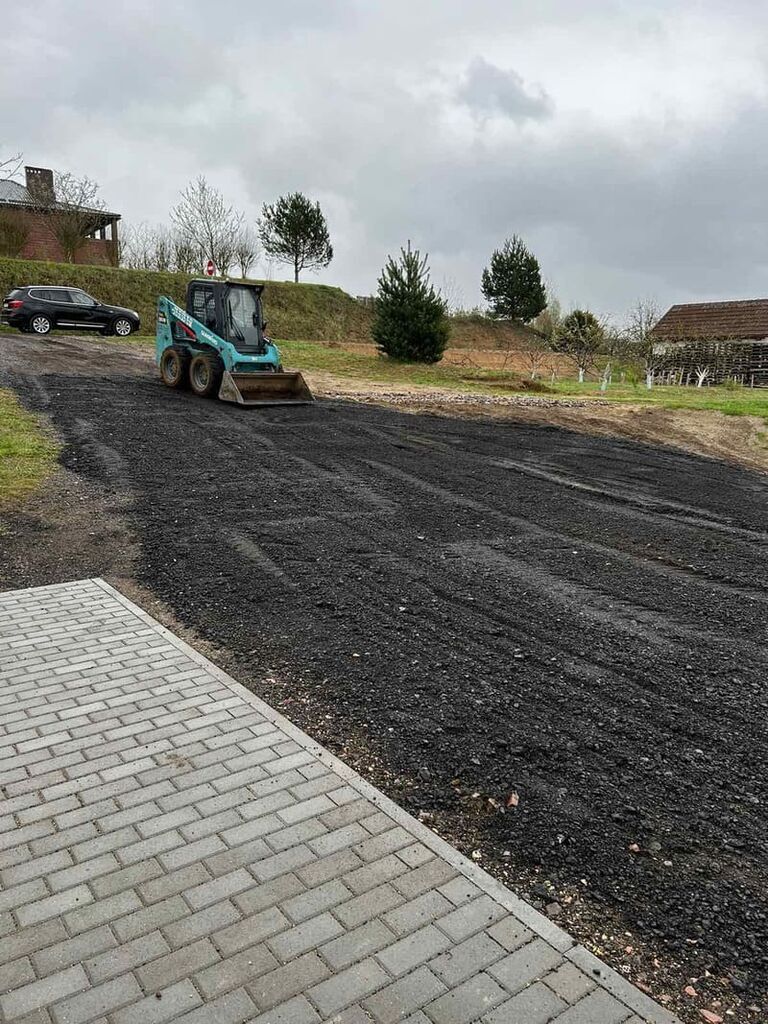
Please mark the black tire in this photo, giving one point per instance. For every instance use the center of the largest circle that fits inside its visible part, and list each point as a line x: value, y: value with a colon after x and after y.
x: 205, y: 373
x: 40, y: 324
x: 174, y: 368
x: 122, y: 327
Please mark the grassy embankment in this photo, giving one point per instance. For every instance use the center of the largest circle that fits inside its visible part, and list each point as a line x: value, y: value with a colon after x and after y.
x: 27, y: 455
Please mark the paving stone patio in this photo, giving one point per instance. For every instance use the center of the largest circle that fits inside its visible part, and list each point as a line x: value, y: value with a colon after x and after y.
x: 172, y: 849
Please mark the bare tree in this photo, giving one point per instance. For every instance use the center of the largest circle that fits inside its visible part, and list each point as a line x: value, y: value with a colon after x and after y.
x: 452, y: 295
x: 548, y: 322
x: 246, y: 250
x: 14, y: 227
x: 14, y: 232
x: 147, y: 248
x: 9, y: 166
x: 73, y: 209
x: 534, y: 354
x: 186, y: 257
x: 641, y: 320
x: 204, y: 221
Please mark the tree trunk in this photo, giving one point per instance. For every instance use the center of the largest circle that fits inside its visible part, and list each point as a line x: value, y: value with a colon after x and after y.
x: 649, y: 379
x: 295, y: 271
x: 581, y: 375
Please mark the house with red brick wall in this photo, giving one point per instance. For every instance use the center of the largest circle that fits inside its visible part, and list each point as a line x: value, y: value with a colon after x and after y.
x: 27, y: 214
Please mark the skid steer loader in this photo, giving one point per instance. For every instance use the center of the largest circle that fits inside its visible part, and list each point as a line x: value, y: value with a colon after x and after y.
x: 217, y: 347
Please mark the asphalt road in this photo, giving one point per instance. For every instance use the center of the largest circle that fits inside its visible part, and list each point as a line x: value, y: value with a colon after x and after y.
x: 551, y: 644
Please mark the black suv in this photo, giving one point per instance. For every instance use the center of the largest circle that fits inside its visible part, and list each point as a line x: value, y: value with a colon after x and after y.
x: 38, y: 309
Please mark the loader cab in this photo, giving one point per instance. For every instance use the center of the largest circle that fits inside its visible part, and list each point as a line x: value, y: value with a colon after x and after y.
x: 231, y: 310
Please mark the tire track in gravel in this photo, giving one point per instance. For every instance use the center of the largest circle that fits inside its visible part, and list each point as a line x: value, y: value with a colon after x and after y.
x: 580, y: 619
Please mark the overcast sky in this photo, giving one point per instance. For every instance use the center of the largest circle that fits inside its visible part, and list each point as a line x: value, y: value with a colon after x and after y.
x: 625, y: 140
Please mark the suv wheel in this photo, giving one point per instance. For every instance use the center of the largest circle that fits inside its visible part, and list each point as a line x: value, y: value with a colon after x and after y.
x: 122, y: 327
x: 40, y: 324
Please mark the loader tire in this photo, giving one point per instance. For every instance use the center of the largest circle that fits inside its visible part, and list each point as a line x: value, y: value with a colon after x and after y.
x: 174, y: 368
x: 205, y: 373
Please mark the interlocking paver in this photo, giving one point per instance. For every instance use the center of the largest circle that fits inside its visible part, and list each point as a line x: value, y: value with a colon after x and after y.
x: 315, y: 901
x: 54, y: 906
x: 236, y: 970
x: 569, y: 983
x: 305, y: 937
x: 73, y: 951
x: 468, y: 1001
x: 401, y: 998
x: 534, y: 1005
x: 171, y: 850
x: 181, y: 963
x: 44, y: 992
x: 526, y: 964
x: 97, y: 1001
x: 127, y: 956
x: 413, y: 950
x: 467, y: 958
x: 252, y: 929
x: 347, y: 987
x: 173, y: 1002
x: 296, y: 1011
x: 598, y: 1007
x: 357, y: 944
x: 284, y: 983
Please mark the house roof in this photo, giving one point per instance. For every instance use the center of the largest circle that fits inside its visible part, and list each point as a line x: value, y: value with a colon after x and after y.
x: 12, y: 193
x: 715, y: 320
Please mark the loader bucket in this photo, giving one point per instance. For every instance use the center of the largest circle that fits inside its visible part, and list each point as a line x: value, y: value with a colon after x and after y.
x: 265, y: 389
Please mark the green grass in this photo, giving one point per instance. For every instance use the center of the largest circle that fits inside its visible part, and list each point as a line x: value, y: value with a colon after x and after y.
x: 308, y: 356
x: 304, y: 355
x: 27, y: 455
x: 732, y: 401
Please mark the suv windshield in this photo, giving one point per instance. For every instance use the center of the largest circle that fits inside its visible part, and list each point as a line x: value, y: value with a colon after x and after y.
x: 242, y: 311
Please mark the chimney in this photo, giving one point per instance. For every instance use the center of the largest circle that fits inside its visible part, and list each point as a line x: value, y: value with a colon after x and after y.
x: 40, y: 183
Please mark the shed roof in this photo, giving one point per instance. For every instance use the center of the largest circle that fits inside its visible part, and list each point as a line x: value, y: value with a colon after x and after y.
x: 723, y: 321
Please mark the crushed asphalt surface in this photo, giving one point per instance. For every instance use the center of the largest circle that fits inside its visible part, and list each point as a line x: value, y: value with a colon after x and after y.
x: 551, y: 646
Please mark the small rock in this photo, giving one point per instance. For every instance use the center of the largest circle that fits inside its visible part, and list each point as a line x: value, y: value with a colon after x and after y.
x: 554, y: 909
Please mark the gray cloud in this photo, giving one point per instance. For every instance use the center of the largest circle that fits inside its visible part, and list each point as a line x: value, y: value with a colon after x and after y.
x: 636, y: 168
x: 488, y: 90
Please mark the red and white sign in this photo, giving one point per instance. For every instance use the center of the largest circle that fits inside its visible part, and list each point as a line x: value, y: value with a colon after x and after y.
x: 210, y: 268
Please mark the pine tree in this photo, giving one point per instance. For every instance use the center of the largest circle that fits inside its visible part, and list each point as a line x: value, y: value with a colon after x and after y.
x: 294, y: 230
x: 512, y: 284
x: 410, y: 322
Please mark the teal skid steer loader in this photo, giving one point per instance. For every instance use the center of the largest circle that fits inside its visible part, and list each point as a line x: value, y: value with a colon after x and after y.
x: 217, y: 347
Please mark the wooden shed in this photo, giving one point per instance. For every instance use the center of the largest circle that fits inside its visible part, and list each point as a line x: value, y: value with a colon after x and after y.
x: 713, y: 342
